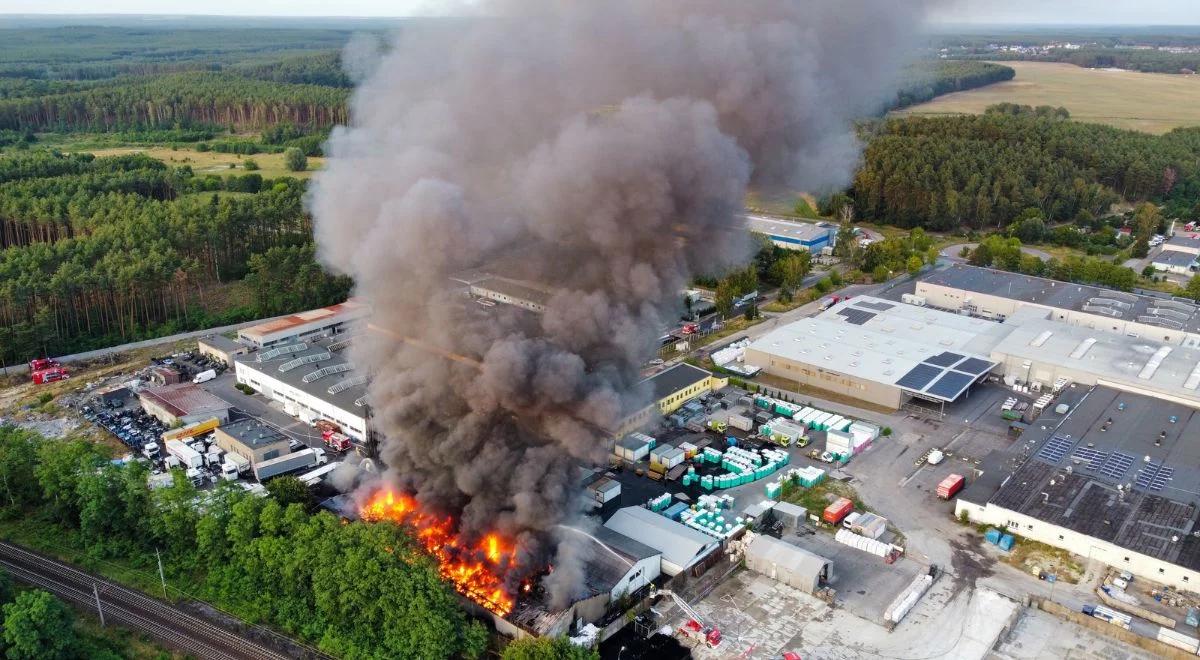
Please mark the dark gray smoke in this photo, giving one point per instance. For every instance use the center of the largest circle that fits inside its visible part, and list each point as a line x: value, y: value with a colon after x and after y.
x: 603, y: 149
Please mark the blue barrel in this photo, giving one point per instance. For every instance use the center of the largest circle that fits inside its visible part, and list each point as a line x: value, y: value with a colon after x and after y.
x: 992, y: 536
x: 731, y: 441
x: 1006, y: 542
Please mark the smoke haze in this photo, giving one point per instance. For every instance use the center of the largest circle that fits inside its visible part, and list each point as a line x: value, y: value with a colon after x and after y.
x: 602, y: 149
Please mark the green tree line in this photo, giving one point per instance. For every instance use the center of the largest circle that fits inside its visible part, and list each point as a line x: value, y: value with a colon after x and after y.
x: 355, y: 590
x: 927, y: 79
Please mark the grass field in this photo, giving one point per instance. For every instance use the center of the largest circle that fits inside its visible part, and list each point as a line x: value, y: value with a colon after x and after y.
x: 1150, y: 102
x: 270, y: 166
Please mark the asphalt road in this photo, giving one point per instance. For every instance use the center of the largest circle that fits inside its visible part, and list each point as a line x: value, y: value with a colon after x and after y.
x: 951, y: 252
x: 101, y: 352
x: 131, y: 609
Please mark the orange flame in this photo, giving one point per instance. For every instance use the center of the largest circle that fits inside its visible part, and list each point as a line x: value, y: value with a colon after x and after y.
x: 472, y: 570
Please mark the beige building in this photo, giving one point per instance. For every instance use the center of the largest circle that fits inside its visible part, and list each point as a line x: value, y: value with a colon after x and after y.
x: 221, y: 348
x: 669, y: 390
x: 252, y: 440
x: 997, y: 294
x: 182, y: 404
x: 880, y: 352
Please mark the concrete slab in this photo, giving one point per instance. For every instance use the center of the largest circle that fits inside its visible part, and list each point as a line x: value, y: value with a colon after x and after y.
x: 1041, y: 636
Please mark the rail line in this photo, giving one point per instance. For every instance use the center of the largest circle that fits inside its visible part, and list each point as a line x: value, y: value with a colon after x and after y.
x: 169, y: 624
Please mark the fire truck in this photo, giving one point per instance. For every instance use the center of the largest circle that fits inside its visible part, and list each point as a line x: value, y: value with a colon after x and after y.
x: 47, y: 370
x: 695, y: 627
x: 332, y: 434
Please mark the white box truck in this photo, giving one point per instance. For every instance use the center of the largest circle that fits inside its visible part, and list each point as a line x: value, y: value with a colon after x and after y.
x: 187, y: 456
x: 205, y: 376
x: 234, y: 466
x: 305, y: 458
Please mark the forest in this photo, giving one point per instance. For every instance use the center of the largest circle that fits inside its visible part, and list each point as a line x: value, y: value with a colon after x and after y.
x: 930, y: 78
x: 942, y: 173
x: 354, y: 590
x: 101, y: 251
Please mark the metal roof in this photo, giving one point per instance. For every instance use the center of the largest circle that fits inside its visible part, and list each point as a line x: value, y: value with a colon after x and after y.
x: 514, y: 289
x: 1174, y: 258
x: 783, y: 553
x: 679, y: 544
x: 185, y: 399
x: 791, y: 232
x: 302, y: 321
x: 1135, y: 362
x: 1185, y: 240
x: 222, y: 343
x: 1120, y: 467
x: 253, y: 433
x: 1063, y: 295
x: 295, y: 374
x: 894, y: 346
x: 678, y: 377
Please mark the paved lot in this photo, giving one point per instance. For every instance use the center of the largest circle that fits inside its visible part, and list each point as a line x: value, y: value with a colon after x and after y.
x: 865, y: 585
x: 1042, y: 636
x: 761, y: 618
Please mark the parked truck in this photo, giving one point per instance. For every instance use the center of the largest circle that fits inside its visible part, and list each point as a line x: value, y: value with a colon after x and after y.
x: 950, y: 486
x: 235, y: 465
x: 305, y: 458
x: 336, y: 441
x: 188, y: 457
x: 1119, y: 619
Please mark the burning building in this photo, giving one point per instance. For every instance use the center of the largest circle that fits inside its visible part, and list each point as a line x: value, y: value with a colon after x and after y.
x: 483, y: 140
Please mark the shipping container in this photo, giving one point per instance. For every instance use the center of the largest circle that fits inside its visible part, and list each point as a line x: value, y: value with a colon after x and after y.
x: 992, y: 536
x: 289, y: 463
x: 741, y: 422
x: 675, y: 511
x: 834, y: 513
x: 837, y: 442
x: 187, y: 456
x: 1178, y: 640
x: 1006, y: 542
x: 950, y: 486
x: 665, y: 458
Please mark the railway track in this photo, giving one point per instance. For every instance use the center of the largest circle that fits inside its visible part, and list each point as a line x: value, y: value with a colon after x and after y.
x: 132, y: 609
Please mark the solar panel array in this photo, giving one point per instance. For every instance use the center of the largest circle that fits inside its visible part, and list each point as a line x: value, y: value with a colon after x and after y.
x: 950, y: 385
x: 1154, y: 476
x: 1094, y: 457
x: 877, y: 306
x: 1116, y: 465
x: 918, y: 377
x: 974, y: 366
x: 946, y: 359
x: 1054, y: 449
x: 856, y: 316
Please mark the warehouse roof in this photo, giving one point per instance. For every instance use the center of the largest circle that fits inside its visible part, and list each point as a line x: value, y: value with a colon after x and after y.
x: 323, y: 363
x: 1175, y: 258
x: 678, y: 377
x: 1185, y: 240
x: 612, y: 556
x: 253, y: 433
x: 222, y: 343
x: 1133, y: 362
x: 789, y: 231
x: 1120, y: 467
x: 185, y: 399
x: 784, y: 553
x: 679, y: 544
x: 1078, y: 297
x: 514, y: 289
x: 922, y: 350
x: 325, y: 316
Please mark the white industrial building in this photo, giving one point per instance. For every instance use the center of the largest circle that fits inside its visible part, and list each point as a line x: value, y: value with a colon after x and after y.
x: 681, y: 546
x: 998, y: 294
x: 1188, y: 243
x: 880, y: 351
x: 312, y: 380
x: 794, y: 235
x: 1174, y: 261
x: 1117, y: 481
x: 323, y: 322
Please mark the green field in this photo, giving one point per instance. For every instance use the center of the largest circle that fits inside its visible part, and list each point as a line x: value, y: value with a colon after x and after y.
x: 1150, y: 102
x: 210, y: 162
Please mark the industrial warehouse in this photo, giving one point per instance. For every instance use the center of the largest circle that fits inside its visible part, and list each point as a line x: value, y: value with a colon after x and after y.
x: 1117, y: 481
x: 880, y: 352
x: 312, y: 380
x: 811, y: 236
x: 326, y: 321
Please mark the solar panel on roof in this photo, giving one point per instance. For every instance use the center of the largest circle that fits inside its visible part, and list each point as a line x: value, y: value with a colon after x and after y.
x: 918, y: 377
x: 877, y: 306
x: 950, y: 385
x: 1154, y: 476
x: 974, y: 366
x: 944, y: 359
x: 1094, y: 457
x: 856, y: 316
x: 1116, y: 465
x: 1054, y: 449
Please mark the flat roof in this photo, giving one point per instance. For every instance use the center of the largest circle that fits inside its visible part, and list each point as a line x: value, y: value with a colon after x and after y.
x: 184, y: 399
x: 919, y: 349
x: 1120, y: 467
x: 679, y: 544
x: 1137, y: 362
x: 1064, y: 295
x: 1175, y: 258
x: 1190, y: 240
x: 514, y: 289
x: 349, y: 310
x: 793, y: 556
x: 678, y: 377
x: 293, y: 367
x: 222, y: 343
x: 789, y: 231
x: 253, y: 433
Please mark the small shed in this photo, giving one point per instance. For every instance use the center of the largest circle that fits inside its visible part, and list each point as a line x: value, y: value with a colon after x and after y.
x: 221, y: 348
x: 789, y: 564
x: 164, y: 375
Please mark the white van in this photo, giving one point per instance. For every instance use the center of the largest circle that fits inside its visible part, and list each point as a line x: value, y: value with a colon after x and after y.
x: 205, y: 376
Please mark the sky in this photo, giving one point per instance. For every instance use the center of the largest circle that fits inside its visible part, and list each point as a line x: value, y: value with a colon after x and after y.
x: 1109, y: 12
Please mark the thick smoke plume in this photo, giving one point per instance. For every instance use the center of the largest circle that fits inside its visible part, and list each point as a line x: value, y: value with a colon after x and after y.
x: 602, y: 149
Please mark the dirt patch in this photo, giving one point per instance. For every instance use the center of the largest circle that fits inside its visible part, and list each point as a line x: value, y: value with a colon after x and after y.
x: 968, y: 564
